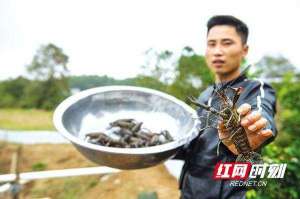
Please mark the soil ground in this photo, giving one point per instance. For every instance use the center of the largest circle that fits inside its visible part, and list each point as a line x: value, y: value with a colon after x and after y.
x: 122, y: 185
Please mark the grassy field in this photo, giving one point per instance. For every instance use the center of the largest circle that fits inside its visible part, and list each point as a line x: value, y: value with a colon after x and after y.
x: 31, y: 119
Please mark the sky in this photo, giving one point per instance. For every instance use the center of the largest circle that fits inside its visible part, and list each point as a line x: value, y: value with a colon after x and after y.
x: 111, y: 37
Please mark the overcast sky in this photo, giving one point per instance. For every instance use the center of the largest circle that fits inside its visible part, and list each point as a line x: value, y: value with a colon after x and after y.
x: 110, y: 37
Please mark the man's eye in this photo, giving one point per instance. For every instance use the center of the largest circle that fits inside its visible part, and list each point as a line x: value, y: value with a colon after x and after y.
x: 227, y: 43
x: 211, y: 44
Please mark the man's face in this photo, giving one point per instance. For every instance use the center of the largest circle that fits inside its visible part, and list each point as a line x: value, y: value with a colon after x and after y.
x: 225, y: 50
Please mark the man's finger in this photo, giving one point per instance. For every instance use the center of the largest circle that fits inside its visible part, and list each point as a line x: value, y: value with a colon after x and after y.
x: 258, y: 125
x: 244, y: 109
x: 266, y: 133
x: 251, y: 119
x: 254, y: 116
x: 256, y: 139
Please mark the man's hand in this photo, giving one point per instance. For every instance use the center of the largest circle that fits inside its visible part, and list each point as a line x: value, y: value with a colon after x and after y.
x: 253, y: 124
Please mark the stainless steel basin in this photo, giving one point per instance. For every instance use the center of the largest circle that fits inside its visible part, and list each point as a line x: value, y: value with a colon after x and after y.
x: 92, y: 110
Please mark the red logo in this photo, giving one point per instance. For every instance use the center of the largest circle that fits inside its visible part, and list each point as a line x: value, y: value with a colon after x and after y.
x: 232, y: 171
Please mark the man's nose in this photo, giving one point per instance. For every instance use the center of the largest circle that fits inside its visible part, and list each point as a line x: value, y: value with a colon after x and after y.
x: 218, y: 51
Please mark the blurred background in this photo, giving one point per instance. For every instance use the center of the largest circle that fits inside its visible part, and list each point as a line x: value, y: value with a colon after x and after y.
x: 50, y: 50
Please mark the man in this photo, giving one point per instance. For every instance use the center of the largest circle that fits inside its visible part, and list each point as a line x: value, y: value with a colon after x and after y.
x: 226, y: 48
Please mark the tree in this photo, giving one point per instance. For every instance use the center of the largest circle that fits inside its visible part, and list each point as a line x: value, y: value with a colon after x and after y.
x: 12, y: 92
x: 274, y: 67
x: 192, y: 75
x: 150, y: 82
x: 49, y: 62
x: 49, y: 67
x: 183, y: 75
x: 160, y: 65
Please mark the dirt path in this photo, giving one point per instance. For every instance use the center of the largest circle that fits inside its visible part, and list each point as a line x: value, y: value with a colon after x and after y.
x: 123, y: 185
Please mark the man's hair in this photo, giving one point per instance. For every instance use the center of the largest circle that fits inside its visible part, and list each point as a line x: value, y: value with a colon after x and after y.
x: 240, y: 27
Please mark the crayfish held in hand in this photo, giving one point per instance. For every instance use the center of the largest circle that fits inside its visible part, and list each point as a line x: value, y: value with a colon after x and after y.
x: 232, y: 122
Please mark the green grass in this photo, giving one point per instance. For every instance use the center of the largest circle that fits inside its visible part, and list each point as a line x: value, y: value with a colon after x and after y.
x: 29, y: 119
x: 39, y: 166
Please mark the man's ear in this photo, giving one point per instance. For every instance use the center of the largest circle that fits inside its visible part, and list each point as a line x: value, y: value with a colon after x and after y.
x: 245, y: 50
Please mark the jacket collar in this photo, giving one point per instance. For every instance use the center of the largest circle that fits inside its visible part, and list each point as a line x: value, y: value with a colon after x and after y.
x: 239, y: 79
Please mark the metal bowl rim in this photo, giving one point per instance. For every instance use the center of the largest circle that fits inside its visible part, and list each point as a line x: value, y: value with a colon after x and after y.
x: 68, y: 102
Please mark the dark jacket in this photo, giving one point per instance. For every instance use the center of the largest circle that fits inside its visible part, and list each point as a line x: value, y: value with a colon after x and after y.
x: 201, y: 154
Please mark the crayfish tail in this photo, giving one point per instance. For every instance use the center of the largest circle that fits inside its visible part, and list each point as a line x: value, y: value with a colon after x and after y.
x: 252, y: 157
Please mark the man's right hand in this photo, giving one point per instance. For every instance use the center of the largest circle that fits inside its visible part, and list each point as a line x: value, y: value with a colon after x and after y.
x: 253, y: 123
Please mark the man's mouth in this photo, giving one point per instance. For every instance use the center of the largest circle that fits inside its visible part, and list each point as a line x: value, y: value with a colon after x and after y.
x: 218, y: 62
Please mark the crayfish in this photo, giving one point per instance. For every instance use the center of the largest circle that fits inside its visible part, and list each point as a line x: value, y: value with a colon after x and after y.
x: 231, y: 120
x: 128, y: 133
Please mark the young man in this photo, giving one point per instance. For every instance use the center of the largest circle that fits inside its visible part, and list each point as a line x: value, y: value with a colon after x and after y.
x: 226, y: 48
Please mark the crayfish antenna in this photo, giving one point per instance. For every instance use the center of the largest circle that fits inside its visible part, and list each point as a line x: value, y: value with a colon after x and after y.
x: 237, y: 93
x: 193, y: 100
